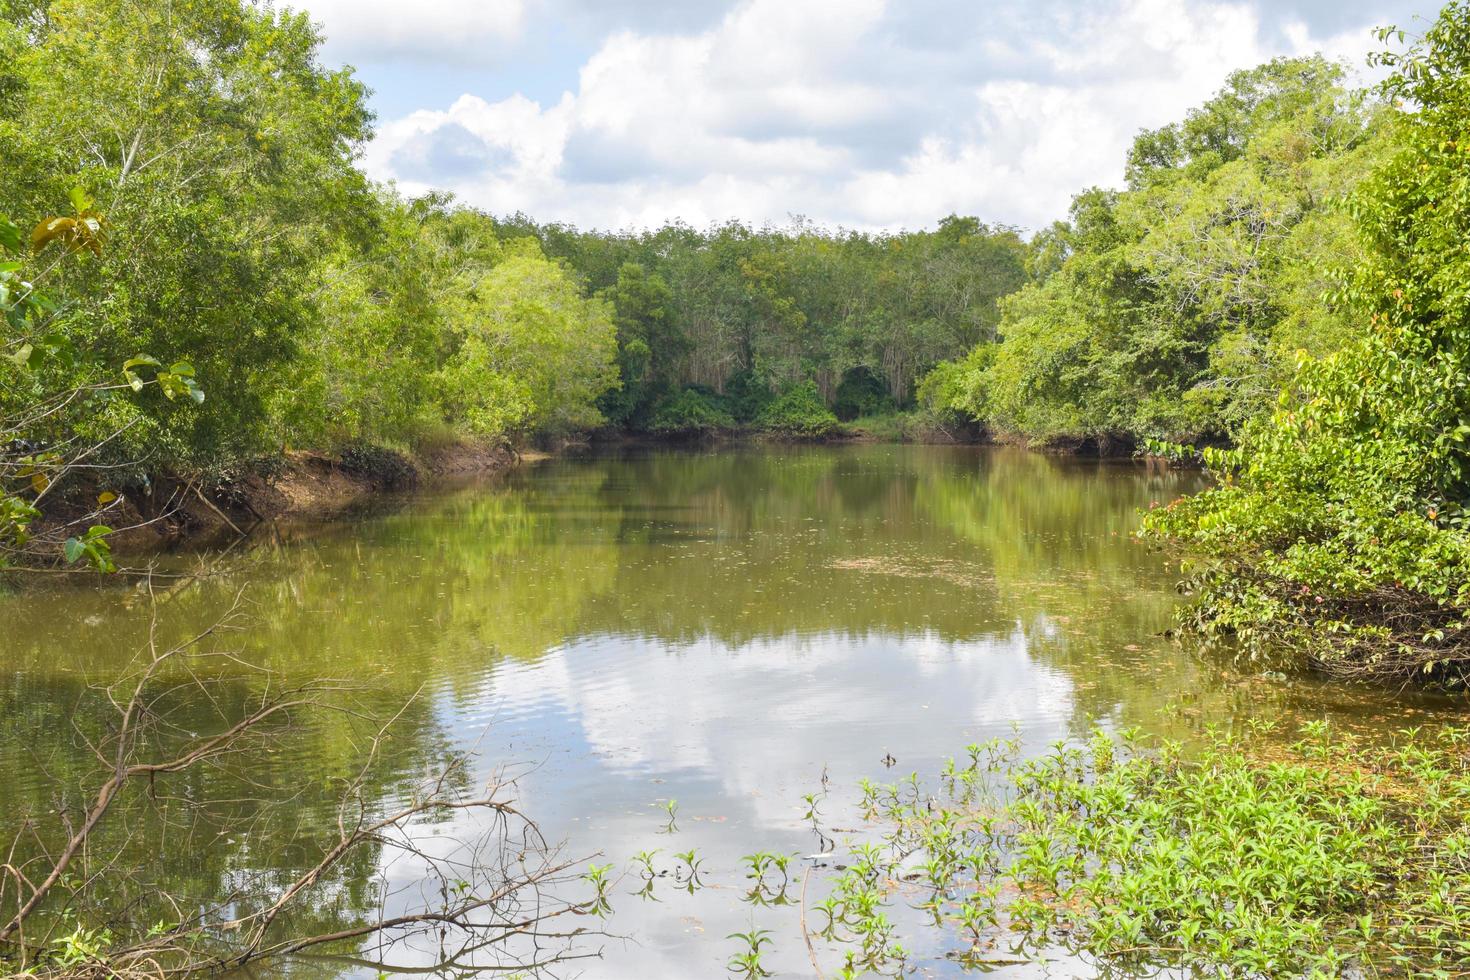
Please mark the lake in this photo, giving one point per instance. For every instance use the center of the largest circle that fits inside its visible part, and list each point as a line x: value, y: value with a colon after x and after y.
x: 730, y: 630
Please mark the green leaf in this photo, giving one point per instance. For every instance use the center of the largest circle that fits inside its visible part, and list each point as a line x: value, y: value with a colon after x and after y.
x: 130, y: 375
x: 10, y: 235
x: 142, y: 360
x: 73, y: 549
x: 81, y: 201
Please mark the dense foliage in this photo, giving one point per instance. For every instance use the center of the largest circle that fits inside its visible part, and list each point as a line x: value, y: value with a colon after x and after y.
x: 214, y: 161
x: 740, y: 315
x: 321, y: 312
x: 799, y: 412
x: 1339, y: 532
x: 51, y: 373
x: 221, y: 157
x: 1176, y: 308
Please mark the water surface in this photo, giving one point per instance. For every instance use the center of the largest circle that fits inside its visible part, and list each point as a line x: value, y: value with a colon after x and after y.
x: 724, y: 629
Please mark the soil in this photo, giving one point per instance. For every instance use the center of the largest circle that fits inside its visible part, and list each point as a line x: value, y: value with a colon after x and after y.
x: 296, y: 485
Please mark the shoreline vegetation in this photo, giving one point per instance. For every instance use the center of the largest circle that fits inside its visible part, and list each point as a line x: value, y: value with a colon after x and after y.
x: 212, y: 301
x: 1244, y: 857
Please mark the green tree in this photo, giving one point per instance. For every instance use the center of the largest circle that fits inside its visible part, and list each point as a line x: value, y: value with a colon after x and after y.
x: 649, y: 345
x: 532, y: 354
x: 1175, y: 308
x: 43, y: 372
x: 1338, y: 533
x: 223, y: 154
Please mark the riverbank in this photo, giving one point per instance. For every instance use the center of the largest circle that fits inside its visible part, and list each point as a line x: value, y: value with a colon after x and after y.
x: 164, y: 511
x: 310, y: 485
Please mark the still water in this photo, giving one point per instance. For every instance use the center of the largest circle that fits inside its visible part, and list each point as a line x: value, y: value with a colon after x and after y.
x: 729, y: 630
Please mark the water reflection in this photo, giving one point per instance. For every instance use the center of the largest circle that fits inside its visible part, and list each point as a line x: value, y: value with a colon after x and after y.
x: 716, y: 628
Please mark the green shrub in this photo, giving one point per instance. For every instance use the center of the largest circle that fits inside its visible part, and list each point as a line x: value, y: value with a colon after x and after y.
x: 799, y: 412
x: 747, y: 396
x: 1338, y: 532
x: 691, y: 412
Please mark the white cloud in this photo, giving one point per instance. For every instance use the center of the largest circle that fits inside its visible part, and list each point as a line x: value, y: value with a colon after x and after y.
x: 521, y: 142
x: 847, y: 112
x: 424, y: 30
x: 646, y: 708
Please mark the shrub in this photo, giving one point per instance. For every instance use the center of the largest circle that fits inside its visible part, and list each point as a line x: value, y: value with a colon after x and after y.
x: 747, y: 395
x: 799, y: 412
x: 691, y: 412
x: 862, y: 393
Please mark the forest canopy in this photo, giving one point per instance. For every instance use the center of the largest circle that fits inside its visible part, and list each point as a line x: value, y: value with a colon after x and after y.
x: 319, y: 310
x: 1177, y: 307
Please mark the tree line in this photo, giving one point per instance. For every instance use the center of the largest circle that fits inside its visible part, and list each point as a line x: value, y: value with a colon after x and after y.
x: 737, y: 326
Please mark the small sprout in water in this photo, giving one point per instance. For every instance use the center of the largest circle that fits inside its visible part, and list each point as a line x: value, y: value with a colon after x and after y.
x: 812, y: 815
x: 758, y: 862
x: 689, y: 873
x: 672, y: 809
x: 599, y: 905
x: 831, y: 907
x: 869, y: 802
x: 747, y: 962
x: 643, y: 861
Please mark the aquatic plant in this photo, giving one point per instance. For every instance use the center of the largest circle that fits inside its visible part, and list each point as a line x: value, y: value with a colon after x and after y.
x: 599, y: 905
x: 1246, y: 856
x: 688, y: 872
x: 643, y: 863
x: 747, y: 961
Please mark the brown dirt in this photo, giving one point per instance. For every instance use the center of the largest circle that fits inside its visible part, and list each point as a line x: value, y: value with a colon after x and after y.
x: 299, y: 486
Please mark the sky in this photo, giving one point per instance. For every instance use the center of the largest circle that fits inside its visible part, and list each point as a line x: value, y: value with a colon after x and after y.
x: 866, y: 114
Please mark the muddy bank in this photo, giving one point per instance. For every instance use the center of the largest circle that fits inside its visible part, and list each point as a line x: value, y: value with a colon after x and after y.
x: 303, y: 485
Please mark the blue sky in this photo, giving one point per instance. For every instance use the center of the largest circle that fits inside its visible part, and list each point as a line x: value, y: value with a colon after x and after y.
x: 875, y: 114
